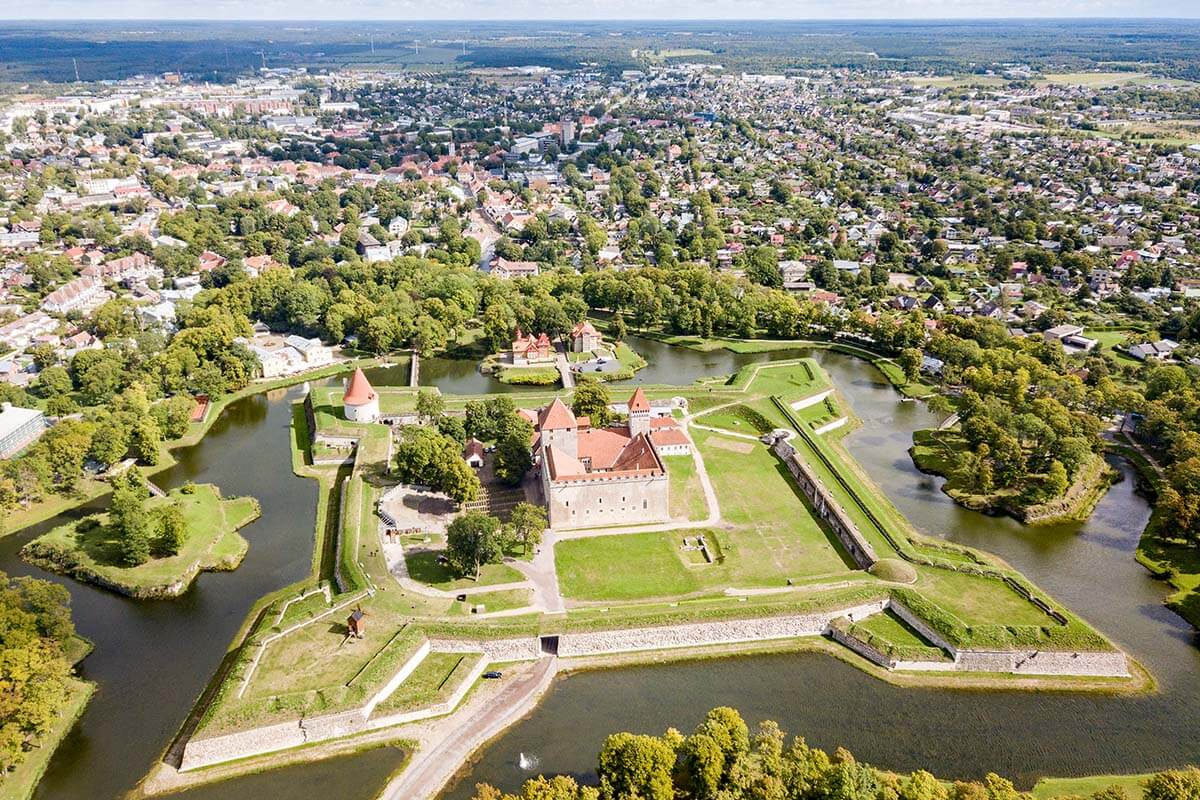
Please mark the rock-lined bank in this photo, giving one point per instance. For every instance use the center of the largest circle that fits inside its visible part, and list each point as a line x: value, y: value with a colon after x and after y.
x: 201, y: 752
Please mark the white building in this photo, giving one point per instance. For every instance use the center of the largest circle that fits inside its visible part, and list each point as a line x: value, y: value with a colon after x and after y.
x: 19, y: 428
x: 81, y: 294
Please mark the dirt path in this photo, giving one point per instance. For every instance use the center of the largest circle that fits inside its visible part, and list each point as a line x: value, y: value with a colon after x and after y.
x: 450, y: 745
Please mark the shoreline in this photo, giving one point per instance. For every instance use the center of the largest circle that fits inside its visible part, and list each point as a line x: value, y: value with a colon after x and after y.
x: 28, y: 774
x: 95, y: 489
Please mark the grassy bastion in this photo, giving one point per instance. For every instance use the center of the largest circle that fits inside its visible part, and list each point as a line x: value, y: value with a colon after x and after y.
x: 86, y: 549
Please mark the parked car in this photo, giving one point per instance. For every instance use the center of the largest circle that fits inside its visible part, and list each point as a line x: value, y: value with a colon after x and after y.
x: 492, y: 674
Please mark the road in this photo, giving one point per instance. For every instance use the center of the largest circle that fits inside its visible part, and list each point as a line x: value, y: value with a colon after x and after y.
x: 433, y: 766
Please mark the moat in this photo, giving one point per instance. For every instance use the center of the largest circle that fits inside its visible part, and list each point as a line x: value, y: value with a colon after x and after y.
x: 153, y: 659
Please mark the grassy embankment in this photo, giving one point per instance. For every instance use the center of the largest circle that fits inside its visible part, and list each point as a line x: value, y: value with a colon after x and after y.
x: 87, y: 549
x: 1174, y: 560
x: 1047, y: 788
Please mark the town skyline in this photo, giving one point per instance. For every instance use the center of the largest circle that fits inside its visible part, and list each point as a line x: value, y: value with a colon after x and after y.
x: 591, y: 11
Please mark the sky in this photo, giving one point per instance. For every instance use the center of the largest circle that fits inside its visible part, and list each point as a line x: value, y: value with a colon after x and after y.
x: 588, y: 9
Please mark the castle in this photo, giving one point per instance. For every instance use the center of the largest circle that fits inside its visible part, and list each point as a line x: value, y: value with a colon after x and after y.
x: 605, y: 476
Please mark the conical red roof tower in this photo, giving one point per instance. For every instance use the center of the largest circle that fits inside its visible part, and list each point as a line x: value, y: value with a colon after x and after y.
x: 359, y: 391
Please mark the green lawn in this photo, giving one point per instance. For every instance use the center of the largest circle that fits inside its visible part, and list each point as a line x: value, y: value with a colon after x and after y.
x: 423, y: 567
x: 770, y: 520
x: 433, y: 681
x: 87, y: 550
x: 978, y: 600
x: 687, y: 496
x: 625, y: 567
x: 891, y: 628
x: 769, y: 537
x: 503, y: 600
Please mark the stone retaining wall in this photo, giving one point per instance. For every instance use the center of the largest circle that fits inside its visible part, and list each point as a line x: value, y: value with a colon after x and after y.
x: 827, y: 508
x: 267, y: 739
x: 862, y: 648
x: 811, y: 400
x: 920, y: 626
x: 524, y: 649
x: 707, y: 633
x: 1045, y: 662
x: 401, y: 675
x: 831, y: 426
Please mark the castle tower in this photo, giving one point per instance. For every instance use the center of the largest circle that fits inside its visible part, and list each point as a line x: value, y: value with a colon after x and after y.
x: 558, y: 428
x: 639, y: 413
x: 360, y: 402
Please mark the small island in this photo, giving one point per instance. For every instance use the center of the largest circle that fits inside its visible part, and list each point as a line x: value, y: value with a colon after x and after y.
x: 536, y: 360
x: 149, y: 546
x: 1067, y: 489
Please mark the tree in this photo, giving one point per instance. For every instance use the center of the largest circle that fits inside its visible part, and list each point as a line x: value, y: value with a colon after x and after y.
x: 513, y: 458
x: 940, y: 405
x: 427, y: 456
x: 1178, y: 784
x: 633, y: 766
x: 910, y: 362
x: 619, y: 331
x: 130, y: 525
x: 591, y: 400
x: 430, y: 405
x: 528, y: 521
x: 472, y: 540
x: 172, y: 531
x: 1056, y: 480
x: 147, y: 439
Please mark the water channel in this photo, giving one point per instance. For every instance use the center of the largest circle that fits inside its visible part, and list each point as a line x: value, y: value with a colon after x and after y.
x: 153, y: 658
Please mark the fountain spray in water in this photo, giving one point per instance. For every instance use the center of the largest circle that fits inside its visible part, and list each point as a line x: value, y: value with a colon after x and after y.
x: 526, y: 763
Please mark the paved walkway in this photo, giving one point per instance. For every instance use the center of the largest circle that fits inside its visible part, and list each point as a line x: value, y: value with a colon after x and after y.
x: 564, y: 371
x: 450, y: 745
x: 543, y: 576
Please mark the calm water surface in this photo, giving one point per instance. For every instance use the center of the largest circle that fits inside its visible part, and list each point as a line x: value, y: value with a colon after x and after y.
x: 153, y: 658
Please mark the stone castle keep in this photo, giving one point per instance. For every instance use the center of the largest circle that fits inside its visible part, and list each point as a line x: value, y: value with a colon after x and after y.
x: 603, y: 476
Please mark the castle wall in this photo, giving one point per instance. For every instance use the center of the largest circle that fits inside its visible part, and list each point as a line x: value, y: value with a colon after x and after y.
x: 604, y: 500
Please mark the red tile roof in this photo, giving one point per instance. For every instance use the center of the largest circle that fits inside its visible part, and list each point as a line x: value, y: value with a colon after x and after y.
x: 359, y: 391
x: 556, y: 416
x: 639, y: 402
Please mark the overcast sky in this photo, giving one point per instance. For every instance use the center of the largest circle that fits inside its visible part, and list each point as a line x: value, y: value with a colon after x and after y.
x: 588, y: 9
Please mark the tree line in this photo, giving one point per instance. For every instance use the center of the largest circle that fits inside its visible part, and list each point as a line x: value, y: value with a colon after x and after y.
x: 723, y: 760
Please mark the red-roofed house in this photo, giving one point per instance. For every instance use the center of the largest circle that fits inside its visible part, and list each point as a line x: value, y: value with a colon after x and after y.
x: 530, y: 350
x: 585, y: 338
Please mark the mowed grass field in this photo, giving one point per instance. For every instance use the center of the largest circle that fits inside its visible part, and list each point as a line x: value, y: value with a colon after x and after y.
x: 687, y: 496
x: 891, y: 628
x: 767, y: 536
